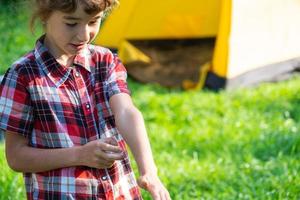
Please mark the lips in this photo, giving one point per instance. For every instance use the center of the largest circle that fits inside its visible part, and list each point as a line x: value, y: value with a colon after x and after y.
x: 78, y: 46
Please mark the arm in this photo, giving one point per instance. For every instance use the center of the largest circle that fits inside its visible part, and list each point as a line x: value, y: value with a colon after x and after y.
x: 130, y: 123
x: 22, y: 158
x: 20, y: 114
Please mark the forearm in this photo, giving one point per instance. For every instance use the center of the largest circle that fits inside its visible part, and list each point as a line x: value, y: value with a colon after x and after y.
x: 23, y: 158
x: 38, y: 160
x: 130, y: 123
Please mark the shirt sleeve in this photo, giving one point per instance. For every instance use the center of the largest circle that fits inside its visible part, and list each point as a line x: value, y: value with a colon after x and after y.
x: 116, y: 78
x: 15, y: 105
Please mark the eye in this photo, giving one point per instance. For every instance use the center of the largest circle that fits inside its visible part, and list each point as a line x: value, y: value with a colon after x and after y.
x: 71, y: 24
x: 94, y: 22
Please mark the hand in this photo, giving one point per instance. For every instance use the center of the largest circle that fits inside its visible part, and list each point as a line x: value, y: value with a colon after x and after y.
x: 100, y: 153
x: 154, y: 186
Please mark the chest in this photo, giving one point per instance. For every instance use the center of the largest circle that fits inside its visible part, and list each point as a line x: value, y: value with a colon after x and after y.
x: 78, y: 103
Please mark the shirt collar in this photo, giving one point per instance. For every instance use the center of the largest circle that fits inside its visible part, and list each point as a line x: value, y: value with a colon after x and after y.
x: 58, y: 73
x: 83, y: 59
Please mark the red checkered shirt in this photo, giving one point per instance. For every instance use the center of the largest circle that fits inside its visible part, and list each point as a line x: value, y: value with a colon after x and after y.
x: 58, y: 107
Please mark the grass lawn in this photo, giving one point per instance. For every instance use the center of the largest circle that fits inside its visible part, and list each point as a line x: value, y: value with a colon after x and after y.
x: 242, y: 144
x: 16, y: 38
x: 227, y: 145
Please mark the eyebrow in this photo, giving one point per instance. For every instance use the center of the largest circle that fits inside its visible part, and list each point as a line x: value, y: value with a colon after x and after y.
x: 77, y: 18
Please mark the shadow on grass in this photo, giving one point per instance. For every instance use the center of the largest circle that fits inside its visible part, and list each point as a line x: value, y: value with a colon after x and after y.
x: 272, y: 145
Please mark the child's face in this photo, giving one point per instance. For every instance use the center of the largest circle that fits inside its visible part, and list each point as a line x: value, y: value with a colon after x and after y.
x: 68, y: 33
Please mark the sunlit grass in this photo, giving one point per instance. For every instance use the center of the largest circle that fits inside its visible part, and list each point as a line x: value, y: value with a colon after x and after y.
x: 241, y: 144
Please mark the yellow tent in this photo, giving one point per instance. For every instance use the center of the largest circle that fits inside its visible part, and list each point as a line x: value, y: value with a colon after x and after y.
x: 256, y: 40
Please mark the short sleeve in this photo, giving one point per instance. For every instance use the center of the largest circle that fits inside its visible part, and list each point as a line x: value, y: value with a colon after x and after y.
x: 15, y: 105
x: 116, y: 78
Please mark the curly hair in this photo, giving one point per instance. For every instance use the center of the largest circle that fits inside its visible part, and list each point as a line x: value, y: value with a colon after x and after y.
x: 44, y: 8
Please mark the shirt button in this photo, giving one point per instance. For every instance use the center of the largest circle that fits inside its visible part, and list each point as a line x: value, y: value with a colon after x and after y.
x: 104, y: 178
x: 77, y: 74
x: 87, y: 106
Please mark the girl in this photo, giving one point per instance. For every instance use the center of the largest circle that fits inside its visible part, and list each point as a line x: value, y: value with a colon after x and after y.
x: 65, y: 107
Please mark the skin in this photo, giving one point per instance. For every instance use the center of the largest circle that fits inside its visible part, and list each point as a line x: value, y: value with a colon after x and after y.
x: 66, y: 36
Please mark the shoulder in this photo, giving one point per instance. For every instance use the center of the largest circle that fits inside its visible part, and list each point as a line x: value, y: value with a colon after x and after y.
x: 24, y: 63
x: 102, y: 55
x: 23, y: 68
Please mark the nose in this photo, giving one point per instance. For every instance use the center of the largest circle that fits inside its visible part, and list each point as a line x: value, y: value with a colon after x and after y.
x: 83, y: 34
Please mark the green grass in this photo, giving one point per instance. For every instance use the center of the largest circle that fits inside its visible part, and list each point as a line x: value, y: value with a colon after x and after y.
x: 16, y: 38
x: 229, y: 145
x: 242, y: 144
x: 11, y: 183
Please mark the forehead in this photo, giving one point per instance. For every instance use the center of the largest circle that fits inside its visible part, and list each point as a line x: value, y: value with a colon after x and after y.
x: 78, y: 14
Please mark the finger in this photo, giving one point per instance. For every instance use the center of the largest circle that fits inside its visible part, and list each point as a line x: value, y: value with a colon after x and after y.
x: 114, y: 156
x: 104, y: 164
x: 167, y: 195
x: 155, y: 195
x: 111, y: 140
x: 153, y: 191
x: 109, y: 156
x: 163, y: 195
x: 109, y: 148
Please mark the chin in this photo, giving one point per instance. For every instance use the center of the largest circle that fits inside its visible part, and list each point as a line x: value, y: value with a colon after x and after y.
x: 73, y: 53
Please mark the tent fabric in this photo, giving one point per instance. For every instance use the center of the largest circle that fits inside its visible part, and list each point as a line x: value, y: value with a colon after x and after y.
x: 251, y: 36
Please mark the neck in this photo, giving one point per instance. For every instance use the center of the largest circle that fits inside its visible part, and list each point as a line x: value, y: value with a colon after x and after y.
x: 63, y: 59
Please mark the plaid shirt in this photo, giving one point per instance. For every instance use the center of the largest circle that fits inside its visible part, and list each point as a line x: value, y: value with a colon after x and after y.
x: 58, y: 107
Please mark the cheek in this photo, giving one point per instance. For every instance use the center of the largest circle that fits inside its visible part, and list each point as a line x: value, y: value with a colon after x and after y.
x: 63, y: 34
x: 93, y: 33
